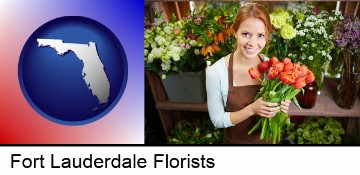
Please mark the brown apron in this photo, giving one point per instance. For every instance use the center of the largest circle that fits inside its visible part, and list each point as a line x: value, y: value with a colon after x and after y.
x: 238, y: 98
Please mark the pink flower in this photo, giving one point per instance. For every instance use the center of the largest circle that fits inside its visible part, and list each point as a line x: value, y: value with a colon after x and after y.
x: 176, y: 31
x: 197, y: 21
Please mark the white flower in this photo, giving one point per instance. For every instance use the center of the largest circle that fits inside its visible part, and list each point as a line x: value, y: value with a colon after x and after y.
x: 160, y: 40
x: 208, y: 135
x: 153, y: 45
x: 165, y: 65
x: 193, y: 43
x: 311, y: 57
x: 323, y: 53
x: 150, y: 58
x: 168, y: 30
x: 196, y: 51
x: 329, y: 57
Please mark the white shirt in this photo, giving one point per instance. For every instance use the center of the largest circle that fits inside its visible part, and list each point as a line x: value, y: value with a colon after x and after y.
x: 217, y: 90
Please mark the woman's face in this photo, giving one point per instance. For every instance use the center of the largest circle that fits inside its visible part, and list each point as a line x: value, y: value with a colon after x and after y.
x: 251, y: 37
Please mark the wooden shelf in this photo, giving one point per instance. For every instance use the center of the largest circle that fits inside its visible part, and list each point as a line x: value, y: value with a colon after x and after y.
x: 182, y: 106
x: 325, y: 104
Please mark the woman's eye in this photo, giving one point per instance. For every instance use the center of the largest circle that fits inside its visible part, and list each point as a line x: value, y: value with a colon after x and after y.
x: 261, y: 36
x: 246, y: 35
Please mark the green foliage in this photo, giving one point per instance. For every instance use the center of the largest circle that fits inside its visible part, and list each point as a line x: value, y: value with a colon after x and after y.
x: 185, y: 45
x: 315, y: 130
x: 195, y: 131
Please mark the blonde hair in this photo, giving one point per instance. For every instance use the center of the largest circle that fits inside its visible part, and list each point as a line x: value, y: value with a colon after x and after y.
x: 255, y: 11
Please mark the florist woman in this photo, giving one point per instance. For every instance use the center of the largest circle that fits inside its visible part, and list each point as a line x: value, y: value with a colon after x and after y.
x: 230, y: 89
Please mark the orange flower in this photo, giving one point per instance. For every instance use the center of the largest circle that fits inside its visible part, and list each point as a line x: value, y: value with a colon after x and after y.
x: 303, y: 69
x: 279, y: 66
x: 216, y: 47
x: 221, y: 37
x: 273, y: 60
x: 310, y: 77
x: 264, y: 66
x: 229, y: 31
x: 254, y: 73
x: 288, y: 67
x: 296, y: 65
x: 299, y: 83
x: 297, y: 72
x: 287, y: 77
x: 286, y: 60
x: 210, y: 49
x: 272, y: 74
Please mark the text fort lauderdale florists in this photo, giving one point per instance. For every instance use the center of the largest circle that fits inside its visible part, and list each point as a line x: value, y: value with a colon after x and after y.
x: 159, y: 161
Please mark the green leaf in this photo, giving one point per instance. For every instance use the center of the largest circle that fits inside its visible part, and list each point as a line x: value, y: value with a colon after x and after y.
x: 256, y: 126
x: 296, y: 102
x: 292, y: 94
x: 282, y: 90
x: 264, y: 127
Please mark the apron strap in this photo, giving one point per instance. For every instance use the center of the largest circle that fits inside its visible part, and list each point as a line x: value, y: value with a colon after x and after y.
x: 230, y: 71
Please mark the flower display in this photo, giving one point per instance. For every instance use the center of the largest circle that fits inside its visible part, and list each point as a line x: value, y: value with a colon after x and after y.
x: 347, y: 37
x: 305, y: 36
x: 284, y: 31
x: 313, y: 42
x: 284, y: 81
x: 211, y: 28
x: 164, y: 45
x: 185, y: 45
x: 346, y: 34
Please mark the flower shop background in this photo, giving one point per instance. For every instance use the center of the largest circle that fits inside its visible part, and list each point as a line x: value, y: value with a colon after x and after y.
x: 188, y: 123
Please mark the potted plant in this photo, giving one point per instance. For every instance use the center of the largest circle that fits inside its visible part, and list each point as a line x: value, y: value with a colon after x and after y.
x: 195, y: 131
x: 315, y: 130
x: 347, y: 37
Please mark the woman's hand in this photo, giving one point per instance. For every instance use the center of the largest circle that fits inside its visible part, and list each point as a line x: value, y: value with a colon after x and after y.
x: 266, y: 109
x: 285, y: 105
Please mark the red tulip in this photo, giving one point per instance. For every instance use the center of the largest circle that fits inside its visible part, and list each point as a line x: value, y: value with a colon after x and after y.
x: 299, y: 83
x: 273, y: 60
x: 279, y: 66
x: 303, y: 69
x: 310, y: 77
x: 272, y: 74
x: 297, y: 72
x: 288, y: 67
x: 286, y: 60
x: 264, y: 66
x: 296, y: 65
x: 287, y: 77
x: 254, y: 73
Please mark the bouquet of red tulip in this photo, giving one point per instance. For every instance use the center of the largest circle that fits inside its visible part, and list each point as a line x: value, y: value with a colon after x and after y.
x: 284, y: 81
